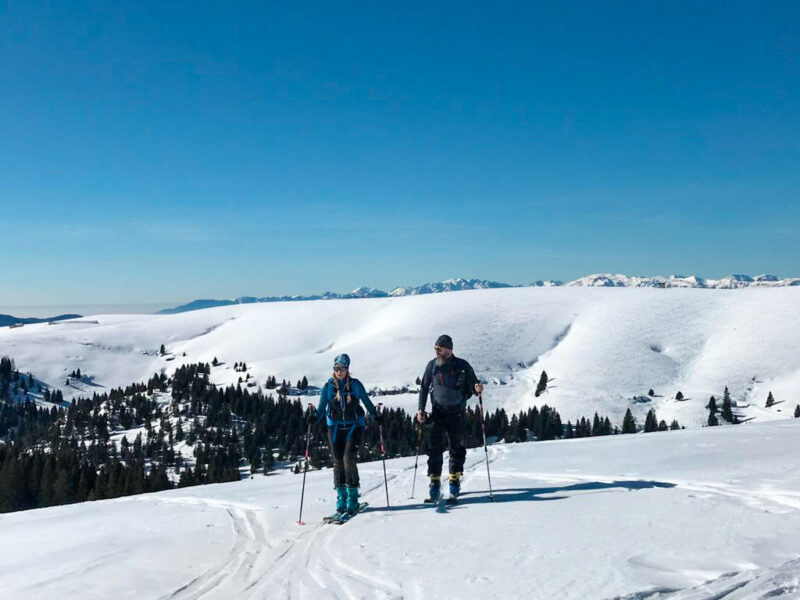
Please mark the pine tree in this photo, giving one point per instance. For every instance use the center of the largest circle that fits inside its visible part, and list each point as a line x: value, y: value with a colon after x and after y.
x: 712, y: 405
x: 797, y: 412
x: 163, y: 350
x: 542, y: 385
x: 727, y: 410
x: 628, y: 423
x: 650, y: 422
x: 712, y: 420
x: 770, y: 400
x: 679, y: 395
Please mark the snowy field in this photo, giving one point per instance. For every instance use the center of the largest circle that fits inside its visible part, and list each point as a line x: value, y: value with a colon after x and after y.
x: 694, y: 514
x: 602, y: 347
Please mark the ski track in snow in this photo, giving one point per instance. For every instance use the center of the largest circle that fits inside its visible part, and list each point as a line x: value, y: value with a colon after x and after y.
x: 309, y: 566
x: 254, y: 567
x: 269, y: 558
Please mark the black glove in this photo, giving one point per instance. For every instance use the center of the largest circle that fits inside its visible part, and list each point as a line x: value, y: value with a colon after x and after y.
x: 379, y: 417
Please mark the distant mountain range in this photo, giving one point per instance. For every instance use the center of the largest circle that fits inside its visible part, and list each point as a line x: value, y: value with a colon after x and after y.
x: 6, y: 320
x: 460, y: 284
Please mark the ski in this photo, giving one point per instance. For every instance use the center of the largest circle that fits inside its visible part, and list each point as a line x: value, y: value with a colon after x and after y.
x: 345, y: 516
x: 451, y: 500
x: 334, y: 517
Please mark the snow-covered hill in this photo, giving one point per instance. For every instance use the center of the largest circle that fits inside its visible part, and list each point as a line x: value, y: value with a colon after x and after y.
x: 712, y: 513
x: 460, y: 284
x: 601, y: 347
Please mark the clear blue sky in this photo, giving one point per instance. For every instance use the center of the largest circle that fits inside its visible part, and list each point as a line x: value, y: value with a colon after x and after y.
x: 164, y: 152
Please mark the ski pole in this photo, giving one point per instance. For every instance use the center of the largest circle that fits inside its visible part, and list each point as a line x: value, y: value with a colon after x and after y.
x: 485, y: 449
x: 383, y: 458
x: 416, y: 459
x: 305, y: 469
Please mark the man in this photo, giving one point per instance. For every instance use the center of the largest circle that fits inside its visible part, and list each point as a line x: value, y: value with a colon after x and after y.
x: 451, y: 382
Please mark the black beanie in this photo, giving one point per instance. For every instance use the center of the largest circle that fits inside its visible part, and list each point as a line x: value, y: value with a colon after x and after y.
x: 444, y: 341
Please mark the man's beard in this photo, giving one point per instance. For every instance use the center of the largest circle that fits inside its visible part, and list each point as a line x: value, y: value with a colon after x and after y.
x: 440, y: 361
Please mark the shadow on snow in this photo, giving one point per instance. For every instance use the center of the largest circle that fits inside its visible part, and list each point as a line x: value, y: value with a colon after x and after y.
x: 533, y: 494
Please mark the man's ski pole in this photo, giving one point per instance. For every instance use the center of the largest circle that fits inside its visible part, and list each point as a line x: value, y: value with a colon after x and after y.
x: 383, y: 458
x: 305, y: 469
x: 416, y: 459
x: 485, y: 449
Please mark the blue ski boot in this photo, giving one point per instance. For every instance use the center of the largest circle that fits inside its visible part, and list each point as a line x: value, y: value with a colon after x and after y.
x: 434, y: 490
x: 352, y: 500
x: 341, y: 499
x: 341, y: 505
x: 455, y: 486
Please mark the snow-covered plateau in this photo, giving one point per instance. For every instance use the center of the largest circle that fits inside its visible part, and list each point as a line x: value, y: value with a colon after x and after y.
x: 601, y: 347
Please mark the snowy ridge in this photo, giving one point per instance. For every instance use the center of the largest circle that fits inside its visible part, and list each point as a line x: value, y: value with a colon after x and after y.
x: 459, y: 284
x: 602, y: 347
x: 680, y: 515
x: 725, y: 283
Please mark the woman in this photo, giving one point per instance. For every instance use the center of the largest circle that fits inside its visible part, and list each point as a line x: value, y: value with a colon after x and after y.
x: 340, y: 404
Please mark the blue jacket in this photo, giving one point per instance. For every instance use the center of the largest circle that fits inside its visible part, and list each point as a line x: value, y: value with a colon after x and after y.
x: 347, y: 410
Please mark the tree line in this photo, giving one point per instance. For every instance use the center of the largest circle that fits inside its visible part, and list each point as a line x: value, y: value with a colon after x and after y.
x: 184, y: 430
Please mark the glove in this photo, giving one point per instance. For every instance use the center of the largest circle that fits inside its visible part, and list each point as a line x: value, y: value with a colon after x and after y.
x: 311, y: 418
x: 379, y: 417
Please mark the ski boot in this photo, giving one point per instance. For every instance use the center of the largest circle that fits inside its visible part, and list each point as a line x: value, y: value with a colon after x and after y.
x: 352, y: 500
x: 455, y: 486
x: 341, y: 499
x: 434, y: 490
x: 341, y: 505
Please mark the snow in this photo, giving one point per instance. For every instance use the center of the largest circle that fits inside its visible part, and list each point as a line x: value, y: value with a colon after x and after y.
x: 602, y: 346
x: 679, y: 514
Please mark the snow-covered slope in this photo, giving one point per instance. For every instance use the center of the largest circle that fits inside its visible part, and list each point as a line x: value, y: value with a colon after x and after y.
x: 600, y: 346
x: 460, y: 284
x: 692, y: 514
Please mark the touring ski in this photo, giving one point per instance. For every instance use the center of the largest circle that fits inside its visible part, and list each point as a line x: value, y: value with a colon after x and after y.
x: 342, y: 518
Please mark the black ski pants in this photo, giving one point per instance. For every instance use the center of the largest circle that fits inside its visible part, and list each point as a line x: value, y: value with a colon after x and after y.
x: 449, y: 424
x: 344, y: 449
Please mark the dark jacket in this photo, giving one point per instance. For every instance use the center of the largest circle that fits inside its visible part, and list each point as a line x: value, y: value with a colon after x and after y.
x: 450, y: 385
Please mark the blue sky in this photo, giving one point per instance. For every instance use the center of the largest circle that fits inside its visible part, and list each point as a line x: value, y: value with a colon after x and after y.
x: 160, y: 152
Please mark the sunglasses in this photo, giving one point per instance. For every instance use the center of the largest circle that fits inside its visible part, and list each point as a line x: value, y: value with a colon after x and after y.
x: 438, y: 348
x: 340, y: 369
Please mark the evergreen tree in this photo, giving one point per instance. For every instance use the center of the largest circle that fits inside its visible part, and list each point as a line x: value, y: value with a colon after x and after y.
x: 727, y: 410
x: 542, y: 385
x: 679, y: 395
x: 651, y: 422
x: 712, y: 420
x: 628, y: 422
x: 770, y: 400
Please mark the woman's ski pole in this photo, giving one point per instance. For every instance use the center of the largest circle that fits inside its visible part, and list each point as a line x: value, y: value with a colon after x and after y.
x: 485, y: 449
x: 383, y: 458
x: 305, y: 467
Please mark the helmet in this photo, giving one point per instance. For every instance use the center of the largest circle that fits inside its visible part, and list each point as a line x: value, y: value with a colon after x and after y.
x: 342, y: 361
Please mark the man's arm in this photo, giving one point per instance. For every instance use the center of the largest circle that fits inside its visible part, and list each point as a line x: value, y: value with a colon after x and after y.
x: 424, y: 388
x: 470, y: 382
